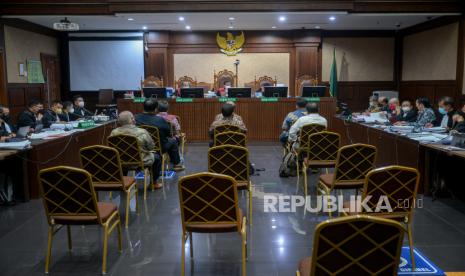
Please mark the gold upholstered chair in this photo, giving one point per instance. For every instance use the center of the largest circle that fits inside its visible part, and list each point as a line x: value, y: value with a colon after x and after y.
x: 104, y: 165
x: 222, y: 77
x: 353, y: 162
x: 201, y: 214
x: 226, y: 128
x: 233, y: 161
x: 230, y: 138
x: 130, y: 153
x: 152, y: 81
x: 398, y: 185
x: 155, y: 134
x: 69, y: 199
x: 355, y: 245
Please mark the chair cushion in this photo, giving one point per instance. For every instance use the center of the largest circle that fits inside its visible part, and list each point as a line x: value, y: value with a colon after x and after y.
x: 327, y: 180
x: 105, y: 210
x: 305, y: 266
x: 242, y: 185
x: 319, y: 163
x: 127, y: 182
x: 215, y: 227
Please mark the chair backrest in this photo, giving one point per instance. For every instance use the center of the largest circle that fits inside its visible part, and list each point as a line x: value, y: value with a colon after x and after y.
x: 398, y: 184
x: 357, y: 245
x: 129, y: 149
x: 304, y: 80
x: 354, y: 162
x: 264, y: 81
x: 67, y: 192
x: 230, y: 138
x: 229, y: 160
x: 105, y: 96
x: 322, y: 146
x: 223, y: 77
x: 207, y: 198
x: 103, y: 164
x: 306, y: 131
x: 155, y: 134
x: 226, y: 128
x: 186, y: 79
x: 152, y: 81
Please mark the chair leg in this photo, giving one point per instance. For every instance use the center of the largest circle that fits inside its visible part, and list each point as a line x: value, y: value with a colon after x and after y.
x: 128, y: 203
x: 136, y: 195
x: 105, y: 248
x: 244, y: 247
x: 250, y: 203
x: 304, y: 169
x: 183, y: 253
x: 410, y: 243
x: 120, y: 235
x: 191, y: 245
x: 298, y: 170
x: 49, y: 249
x: 70, y: 242
x: 110, y: 196
x: 146, y: 177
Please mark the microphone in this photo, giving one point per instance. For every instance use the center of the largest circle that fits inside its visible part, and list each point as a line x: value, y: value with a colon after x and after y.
x: 237, y: 62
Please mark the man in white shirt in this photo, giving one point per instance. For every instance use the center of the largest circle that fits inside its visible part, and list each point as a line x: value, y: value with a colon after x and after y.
x: 312, y: 118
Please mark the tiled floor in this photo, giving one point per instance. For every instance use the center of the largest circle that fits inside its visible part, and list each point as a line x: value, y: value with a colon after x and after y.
x: 153, y: 241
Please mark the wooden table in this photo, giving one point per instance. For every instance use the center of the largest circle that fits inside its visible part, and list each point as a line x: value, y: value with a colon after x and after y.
x: 263, y: 119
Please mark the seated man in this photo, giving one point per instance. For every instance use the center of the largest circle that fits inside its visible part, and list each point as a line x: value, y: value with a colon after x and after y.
x: 426, y: 114
x: 31, y: 117
x: 312, y: 117
x: 374, y: 105
x: 79, y: 109
x: 407, y: 113
x: 52, y: 115
x: 223, y: 91
x: 459, y: 121
x: 6, y: 129
x: 291, y: 118
x: 446, y: 111
x: 162, y: 109
x: 384, y: 104
x: 227, y: 117
x: 68, y: 112
x: 169, y: 145
x: 128, y: 127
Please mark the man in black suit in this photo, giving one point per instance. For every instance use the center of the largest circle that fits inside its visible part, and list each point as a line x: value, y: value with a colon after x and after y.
x: 168, y: 144
x: 79, y: 109
x: 52, y: 115
x: 6, y: 129
x: 31, y: 117
x: 407, y: 113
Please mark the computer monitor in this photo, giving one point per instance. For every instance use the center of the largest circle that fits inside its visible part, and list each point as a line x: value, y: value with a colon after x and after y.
x: 275, y: 91
x: 154, y: 92
x: 194, y: 92
x: 239, y: 92
x: 313, y: 91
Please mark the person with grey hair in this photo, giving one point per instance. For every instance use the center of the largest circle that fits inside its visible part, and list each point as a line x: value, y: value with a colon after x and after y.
x: 374, y: 105
x: 127, y: 124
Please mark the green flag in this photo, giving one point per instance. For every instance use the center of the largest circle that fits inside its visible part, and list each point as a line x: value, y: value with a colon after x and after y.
x: 333, y: 77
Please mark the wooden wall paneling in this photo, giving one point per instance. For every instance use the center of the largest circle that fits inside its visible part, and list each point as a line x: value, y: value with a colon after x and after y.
x: 20, y: 94
x: 433, y: 90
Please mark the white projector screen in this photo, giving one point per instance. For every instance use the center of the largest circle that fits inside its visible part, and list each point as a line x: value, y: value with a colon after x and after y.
x: 113, y: 64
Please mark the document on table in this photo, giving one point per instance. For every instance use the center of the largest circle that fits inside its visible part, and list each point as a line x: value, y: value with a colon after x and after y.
x: 15, y: 145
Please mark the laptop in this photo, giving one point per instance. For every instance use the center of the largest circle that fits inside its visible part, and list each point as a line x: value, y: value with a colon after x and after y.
x: 23, y: 132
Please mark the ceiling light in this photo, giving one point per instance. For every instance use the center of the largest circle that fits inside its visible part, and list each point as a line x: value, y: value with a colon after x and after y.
x: 181, y: 18
x: 131, y: 19
x: 273, y: 27
x: 282, y: 18
x: 231, y: 27
x: 317, y: 27
x: 232, y: 18
x: 144, y: 27
x: 188, y: 27
x: 332, y: 18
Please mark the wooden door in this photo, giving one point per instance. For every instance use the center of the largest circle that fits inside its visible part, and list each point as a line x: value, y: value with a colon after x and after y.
x: 51, y: 71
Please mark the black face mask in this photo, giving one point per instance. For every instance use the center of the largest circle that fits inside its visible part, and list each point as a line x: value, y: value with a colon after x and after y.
x: 5, y: 117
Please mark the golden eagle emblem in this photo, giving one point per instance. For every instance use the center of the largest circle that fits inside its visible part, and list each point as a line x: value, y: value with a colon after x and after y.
x: 230, y: 45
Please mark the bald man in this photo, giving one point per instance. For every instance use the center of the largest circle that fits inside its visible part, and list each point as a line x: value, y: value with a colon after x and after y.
x: 128, y: 127
x: 312, y: 117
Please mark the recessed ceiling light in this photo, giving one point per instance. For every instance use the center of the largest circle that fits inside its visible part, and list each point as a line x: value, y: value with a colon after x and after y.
x: 181, y: 18
x: 144, y: 27
x: 188, y: 27
x: 282, y: 18
x: 231, y: 27
x: 273, y: 27
x: 131, y: 19
x: 317, y: 27
x: 232, y: 18
x: 332, y: 18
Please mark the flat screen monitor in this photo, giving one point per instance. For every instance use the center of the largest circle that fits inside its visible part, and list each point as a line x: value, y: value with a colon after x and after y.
x: 194, y: 92
x: 275, y: 91
x: 155, y: 92
x: 239, y: 92
x: 313, y: 91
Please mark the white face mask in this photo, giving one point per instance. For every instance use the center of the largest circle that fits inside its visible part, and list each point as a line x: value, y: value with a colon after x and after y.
x: 71, y: 110
x: 81, y: 104
x: 405, y: 108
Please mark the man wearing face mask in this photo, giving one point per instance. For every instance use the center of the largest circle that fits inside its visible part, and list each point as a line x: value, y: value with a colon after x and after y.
x: 447, y: 112
x: 79, y: 108
x: 52, y: 115
x: 407, y: 113
x: 6, y: 129
x: 68, y: 112
x: 31, y: 117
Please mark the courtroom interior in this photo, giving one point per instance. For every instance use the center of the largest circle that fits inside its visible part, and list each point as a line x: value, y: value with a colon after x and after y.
x: 214, y: 137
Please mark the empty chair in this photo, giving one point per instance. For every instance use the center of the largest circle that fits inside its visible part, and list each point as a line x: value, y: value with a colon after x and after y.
x: 201, y: 214
x: 320, y: 152
x: 233, y: 161
x: 353, y: 162
x: 356, y: 245
x: 399, y: 185
x: 230, y: 138
x: 303, y: 141
x: 129, y: 151
x: 104, y: 165
x: 69, y: 199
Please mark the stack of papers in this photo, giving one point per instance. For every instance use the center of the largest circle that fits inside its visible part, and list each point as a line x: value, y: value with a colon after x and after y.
x: 46, y: 134
x: 15, y: 145
x: 435, y: 129
x: 377, y: 117
x: 403, y: 129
